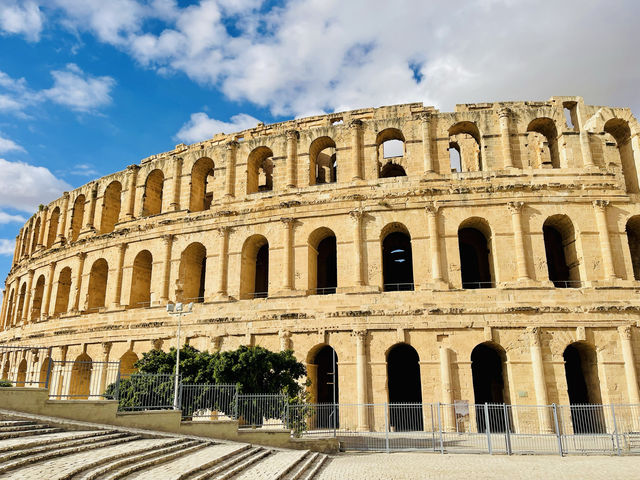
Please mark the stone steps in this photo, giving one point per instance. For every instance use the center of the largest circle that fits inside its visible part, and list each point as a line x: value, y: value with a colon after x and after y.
x: 306, y: 468
x: 9, y: 423
x: 232, y: 465
x: 39, y: 440
x: 30, y: 432
x: 277, y: 466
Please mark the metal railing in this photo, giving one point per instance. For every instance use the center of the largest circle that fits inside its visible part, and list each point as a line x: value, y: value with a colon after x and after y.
x: 477, y: 285
x: 260, y: 294
x: 325, y: 291
x: 208, y: 402
x: 23, y: 366
x: 567, y: 283
x: 144, y: 391
x: 398, y: 287
x: 262, y: 410
x: 81, y: 380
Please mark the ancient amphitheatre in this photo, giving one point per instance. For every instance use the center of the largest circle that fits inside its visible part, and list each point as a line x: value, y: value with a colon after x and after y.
x: 513, y: 268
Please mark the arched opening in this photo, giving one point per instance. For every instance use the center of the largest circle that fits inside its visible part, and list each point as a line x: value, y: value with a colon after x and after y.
x: 201, y: 185
x: 260, y: 170
x: 5, y: 370
x: 127, y: 362
x: 560, y: 249
x: 465, y: 137
x: 543, y: 143
x: 80, y: 382
x: 36, y: 234
x: 397, y: 260
x: 325, y: 388
x: 583, y: 385
x: 38, y: 293
x: 475, y: 254
x: 21, y: 298
x: 323, y: 265
x: 405, y: 389
x: 25, y: 241
x: 193, y: 269
x: 488, y: 372
x: 9, y: 312
x: 98, y: 284
x: 22, y: 373
x: 44, y: 374
x: 620, y: 131
x: 390, y: 148
x: 455, y: 159
x: 111, y: 203
x: 152, y: 199
x: 77, y: 216
x: 254, y: 281
x: 53, y: 226
x: 141, y: 280
x: 62, y: 293
x: 633, y: 238
x: 322, y: 161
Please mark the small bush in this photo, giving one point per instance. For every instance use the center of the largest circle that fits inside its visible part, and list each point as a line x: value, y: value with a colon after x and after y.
x: 5, y: 383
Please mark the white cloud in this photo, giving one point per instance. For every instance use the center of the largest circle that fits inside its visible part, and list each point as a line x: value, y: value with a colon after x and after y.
x: 8, y: 145
x: 23, y: 186
x: 7, y: 247
x: 200, y: 126
x: 8, y: 218
x: 22, y: 17
x: 79, y: 91
x: 83, y: 170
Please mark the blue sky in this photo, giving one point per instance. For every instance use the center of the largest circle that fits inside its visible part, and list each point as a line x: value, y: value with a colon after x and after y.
x: 88, y: 87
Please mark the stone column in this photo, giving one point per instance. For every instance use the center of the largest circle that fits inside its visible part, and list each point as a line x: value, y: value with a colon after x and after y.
x: 600, y: 207
x: 356, y: 148
x: 3, y: 310
x: 27, y: 298
x: 434, y: 245
x: 166, y: 267
x: 285, y: 340
x: 292, y: 157
x: 357, y: 215
x: 62, y: 221
x: 58, y: 387
x: 128, y: 205
x: 223, y: 262
x: 16, y: 250
x: 90, y: 212
x: 585, y: 149
x: 102, y: 381
x: 629, y: 364
x: 47, y: 291
x: 43, y: 225
x: 521, y: 255
x: 447, y: 389
x: 504, y: 114
x: 230, y: 174
x: 361, y: 379
x: 117, y: 300
x: 425, y: 123
x: 287, y: 268
x: 174, y: 206
x: 539, y: 382
x: 76, y: 296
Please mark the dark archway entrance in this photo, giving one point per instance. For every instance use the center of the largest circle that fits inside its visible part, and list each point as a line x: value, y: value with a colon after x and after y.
x: 583, y: 385
x: 327, y: 267
x: 487, y: 368
x: 261, y: 287
x: 405, y: 389
x: 397, y: 262
x: 474, y: 259
x: 327, y: 387
x: 556, y: 260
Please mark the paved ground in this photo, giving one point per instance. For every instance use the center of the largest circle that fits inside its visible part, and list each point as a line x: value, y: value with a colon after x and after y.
x: 405, y: 466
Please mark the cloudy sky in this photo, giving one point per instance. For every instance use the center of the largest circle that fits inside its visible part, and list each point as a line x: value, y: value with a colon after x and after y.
x: 90, y: 86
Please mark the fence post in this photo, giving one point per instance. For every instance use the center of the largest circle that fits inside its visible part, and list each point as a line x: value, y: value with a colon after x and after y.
x: 433, y: 429
x: 286, y: 412
x: 555, y: 423
x: 235, y: 405
x: 506, y: 428
x: 440, y: 429
x: 615, y: 429
x: 487, y: 429
x: 386, y: 425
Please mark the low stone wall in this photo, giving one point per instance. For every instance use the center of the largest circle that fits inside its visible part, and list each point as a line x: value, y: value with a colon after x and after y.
x: 36, y: 401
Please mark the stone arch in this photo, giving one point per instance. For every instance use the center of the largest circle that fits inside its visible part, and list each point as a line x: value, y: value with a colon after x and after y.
x: 6, y: 367
x: 633, y: 240
x: 127, y: 362
x: 38, y: 293
x: 489, y: 373
x: 192, y: 273
x: 25, y: 241
x: 543, y: 143
x: 323, y: 373
x: 397, y: 258
x: 323, y: 166
x: 9, y: 312
x: 77, y: 216
x: 98, y: 278
x: 153, y: 191
x: 404, y: 387
x: 323, y: 262
x: 619, y: 129
x: 44, y: 373
x: 141, y: 280
x: 80, y: 381
x: 254, y: 268
x: 62, y: 294
x: 390, y: 144
x: 22, y: 373
x: 111, y: 204
x: 202, y: 175
x: 260, y: 170
x: 465, y: 135
x: 563, y: 264
x: 476, y: 256
x: 36, y: 234
x: 21, y: 299
x: 54, y: 219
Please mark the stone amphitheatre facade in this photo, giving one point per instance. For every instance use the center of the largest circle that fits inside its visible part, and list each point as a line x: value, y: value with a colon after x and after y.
x: 495, y: 256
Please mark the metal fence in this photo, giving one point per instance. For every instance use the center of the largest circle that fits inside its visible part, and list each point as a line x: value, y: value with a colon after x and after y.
x: 81, y: 380
x: 144, y: 391
x: 208, y: 402
x: 262, y: 410
x: 25, y: 366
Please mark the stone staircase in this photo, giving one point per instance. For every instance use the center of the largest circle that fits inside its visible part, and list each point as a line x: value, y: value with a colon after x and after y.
x: 33, y: 449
